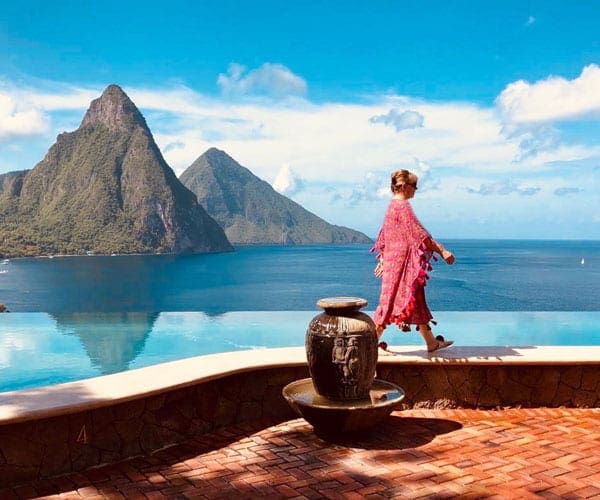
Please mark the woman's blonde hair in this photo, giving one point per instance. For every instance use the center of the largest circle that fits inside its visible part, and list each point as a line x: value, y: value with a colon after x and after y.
x: 401, y: 177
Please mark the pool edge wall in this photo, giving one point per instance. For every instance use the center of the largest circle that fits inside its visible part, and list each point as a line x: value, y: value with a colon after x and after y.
x: 99, y: 421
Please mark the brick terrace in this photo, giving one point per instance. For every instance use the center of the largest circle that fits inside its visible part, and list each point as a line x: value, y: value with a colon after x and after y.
x: 511, y: 453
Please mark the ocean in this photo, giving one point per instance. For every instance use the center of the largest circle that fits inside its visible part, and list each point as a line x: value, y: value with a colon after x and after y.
x: 489, y: 275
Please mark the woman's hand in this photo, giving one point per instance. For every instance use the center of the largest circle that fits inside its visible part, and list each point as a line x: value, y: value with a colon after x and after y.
x: 448, y: 257
x: 378, y: 272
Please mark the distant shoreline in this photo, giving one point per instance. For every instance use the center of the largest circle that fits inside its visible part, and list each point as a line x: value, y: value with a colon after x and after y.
x: 492, y: 241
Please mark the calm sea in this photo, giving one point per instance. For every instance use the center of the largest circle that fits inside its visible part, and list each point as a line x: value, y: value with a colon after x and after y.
x: 488, y: 275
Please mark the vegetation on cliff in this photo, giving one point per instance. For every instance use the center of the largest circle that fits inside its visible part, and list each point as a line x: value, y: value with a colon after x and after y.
x: 104, y: 188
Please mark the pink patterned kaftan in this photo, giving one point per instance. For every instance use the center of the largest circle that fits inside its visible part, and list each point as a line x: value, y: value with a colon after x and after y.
x: 401, y: 243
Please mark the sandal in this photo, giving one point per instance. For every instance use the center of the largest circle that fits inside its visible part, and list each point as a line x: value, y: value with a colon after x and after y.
x: 441, y: 343
x: 382, y: 349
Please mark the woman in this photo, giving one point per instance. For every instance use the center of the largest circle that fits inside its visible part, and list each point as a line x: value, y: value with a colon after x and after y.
x: 404, y: 249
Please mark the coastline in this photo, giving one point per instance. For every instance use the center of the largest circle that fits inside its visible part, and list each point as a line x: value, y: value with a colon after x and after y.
x: 499, y: 241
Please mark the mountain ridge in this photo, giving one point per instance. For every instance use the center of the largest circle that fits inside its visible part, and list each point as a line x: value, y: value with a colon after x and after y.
x: 251, y: 212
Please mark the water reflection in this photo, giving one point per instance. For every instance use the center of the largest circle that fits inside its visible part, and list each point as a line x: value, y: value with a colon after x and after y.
x: 39, y: 349
x: 111, y: 340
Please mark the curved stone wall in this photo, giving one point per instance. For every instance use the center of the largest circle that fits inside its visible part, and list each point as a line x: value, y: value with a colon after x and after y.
x: 50, y: 431
x: 496, y: 386
x: 76, y: 441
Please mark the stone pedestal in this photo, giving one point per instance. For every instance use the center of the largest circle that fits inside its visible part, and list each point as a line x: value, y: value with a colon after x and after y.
x: 342, y: 394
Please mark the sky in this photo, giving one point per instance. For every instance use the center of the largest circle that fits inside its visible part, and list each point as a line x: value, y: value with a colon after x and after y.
x: 494, y: 105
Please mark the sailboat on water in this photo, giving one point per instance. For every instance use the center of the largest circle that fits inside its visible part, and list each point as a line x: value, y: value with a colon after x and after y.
x: 582, y: 261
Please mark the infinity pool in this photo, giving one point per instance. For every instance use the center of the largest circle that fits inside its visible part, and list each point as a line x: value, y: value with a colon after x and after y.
x: 38, y: 349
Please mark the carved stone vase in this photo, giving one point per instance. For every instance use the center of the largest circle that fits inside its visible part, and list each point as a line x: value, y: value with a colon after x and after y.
x: 341, y: 348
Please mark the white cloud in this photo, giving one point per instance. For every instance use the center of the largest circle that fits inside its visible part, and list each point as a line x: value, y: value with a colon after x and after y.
x: 329, y: 140
x: 530, y: 21
x: 400, y: 121
x: 325, y: 142
x: 18, y: 119
x: 287, y: 182
x: 551, y: 99
x: 269, y: 79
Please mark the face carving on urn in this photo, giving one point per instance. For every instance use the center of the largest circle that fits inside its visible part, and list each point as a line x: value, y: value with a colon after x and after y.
x: 339, y: 351
x: 345, y: 354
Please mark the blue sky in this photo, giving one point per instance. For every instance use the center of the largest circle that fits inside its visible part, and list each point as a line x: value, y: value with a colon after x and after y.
x: 496, y: 105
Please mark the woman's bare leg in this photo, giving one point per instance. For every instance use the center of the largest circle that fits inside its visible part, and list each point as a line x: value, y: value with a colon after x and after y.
x: 428, y: 337
x: 433, y: 344
x: 381, y: 346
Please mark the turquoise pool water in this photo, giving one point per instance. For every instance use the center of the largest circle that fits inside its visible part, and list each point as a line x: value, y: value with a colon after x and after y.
x: 38, y: 349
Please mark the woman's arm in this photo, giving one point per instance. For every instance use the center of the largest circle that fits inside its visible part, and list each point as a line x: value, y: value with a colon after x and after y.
x: 378, y: 271
x: 379, y: 246
x: 434, y: 246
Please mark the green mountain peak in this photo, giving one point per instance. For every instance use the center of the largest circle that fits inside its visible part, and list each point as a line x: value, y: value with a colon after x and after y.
x: 251, y: 211
x: 114, y: 110
x: 104, y: 188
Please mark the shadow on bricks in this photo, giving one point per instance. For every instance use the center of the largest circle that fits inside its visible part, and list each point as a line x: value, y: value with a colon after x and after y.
x: 396, y: 433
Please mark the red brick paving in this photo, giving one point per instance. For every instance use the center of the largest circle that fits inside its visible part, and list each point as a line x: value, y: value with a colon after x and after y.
x: 512, y: 453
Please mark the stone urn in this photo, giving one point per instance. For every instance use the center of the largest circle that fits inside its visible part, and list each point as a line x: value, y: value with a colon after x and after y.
x: 341, y: 348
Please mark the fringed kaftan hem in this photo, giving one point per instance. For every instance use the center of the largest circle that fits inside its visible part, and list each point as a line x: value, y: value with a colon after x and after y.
x: 406, y: 317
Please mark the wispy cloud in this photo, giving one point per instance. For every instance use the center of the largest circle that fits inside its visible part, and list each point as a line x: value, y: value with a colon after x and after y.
x: 335, y: 198
x: 564, y: 191
x: 535, y: 141
x: 269, y: 79
x: 503, y: 188
x: 427, y: 180
x: 173, y: 145
x: 530, y: 21
x: 399, y: 120
x: 374, y: 186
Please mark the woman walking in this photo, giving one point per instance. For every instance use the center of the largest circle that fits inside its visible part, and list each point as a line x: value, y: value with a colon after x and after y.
x: 404, y: 249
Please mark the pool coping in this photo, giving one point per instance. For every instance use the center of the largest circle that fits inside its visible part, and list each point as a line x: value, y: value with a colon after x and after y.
x: 71, y: 397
